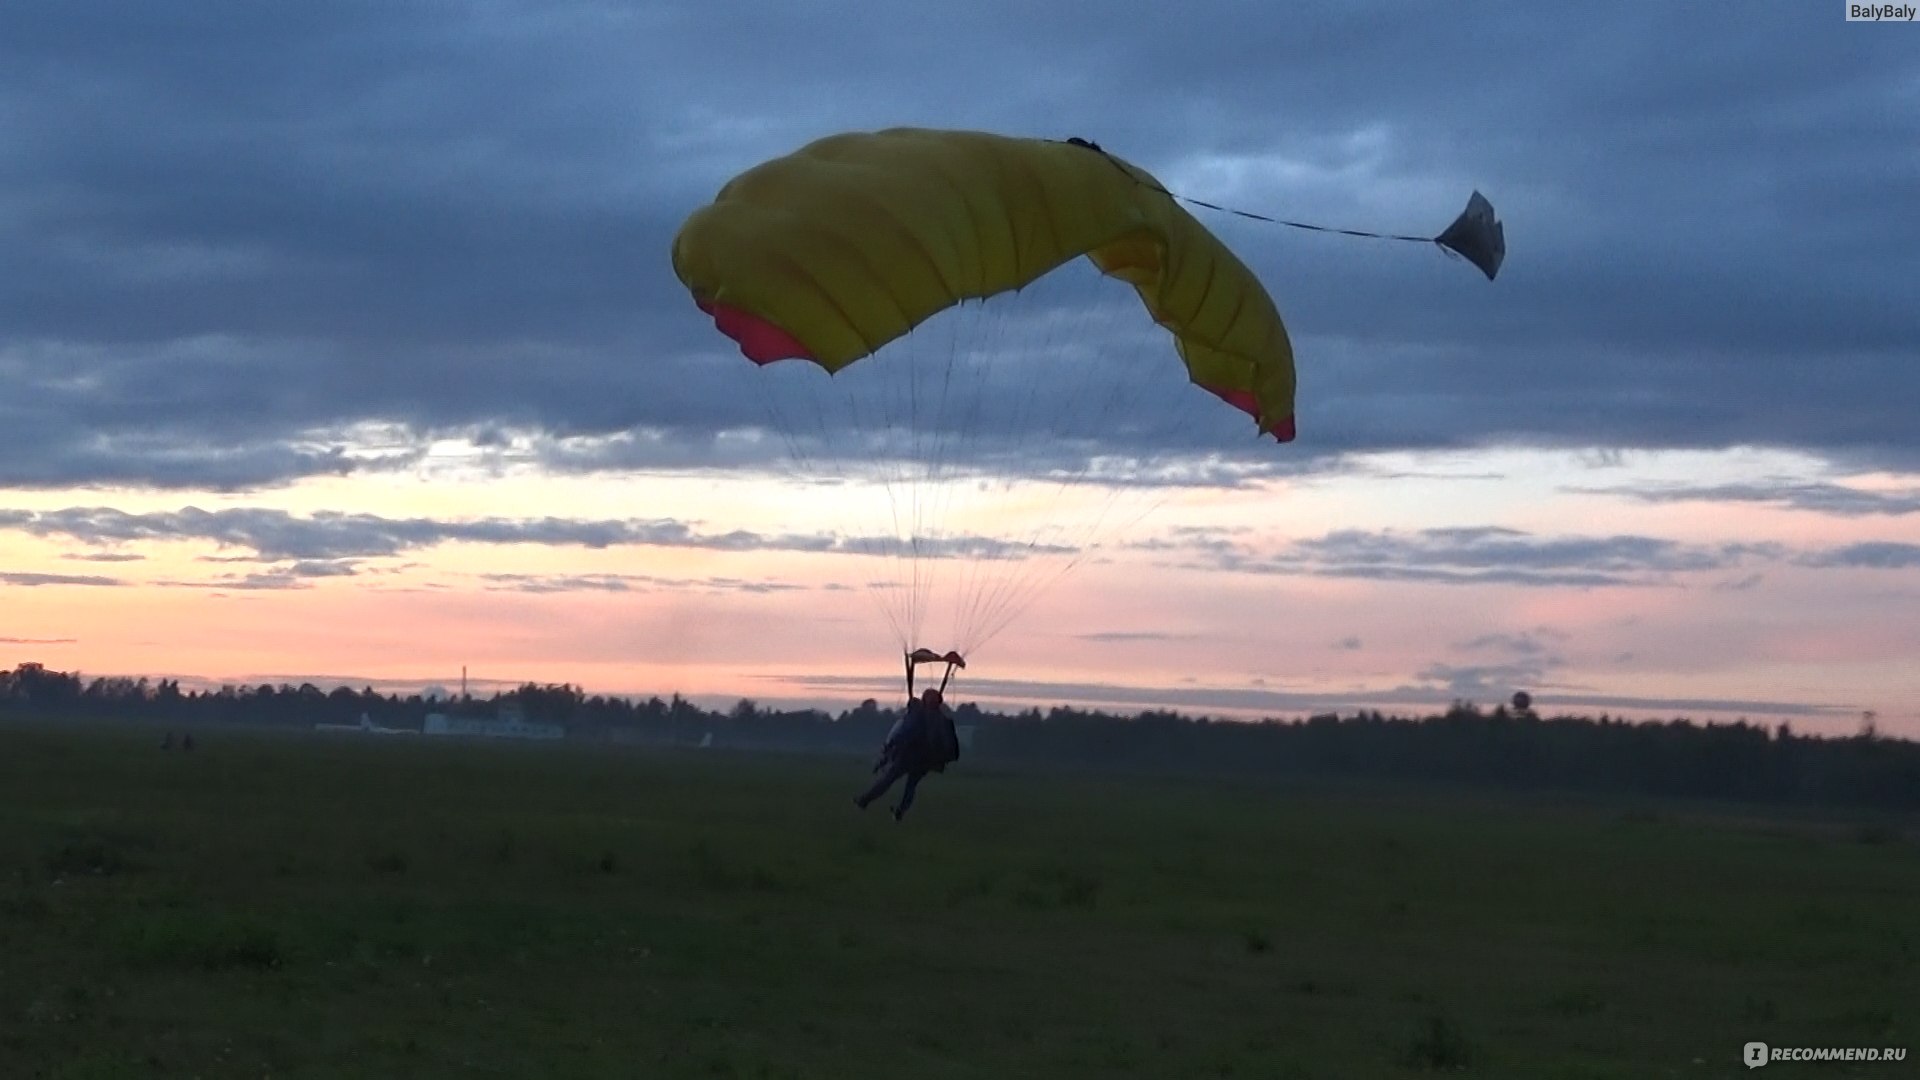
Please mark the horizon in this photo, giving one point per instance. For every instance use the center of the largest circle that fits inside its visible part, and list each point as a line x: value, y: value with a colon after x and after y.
x: 1117, y: 702
x: 350, y: 341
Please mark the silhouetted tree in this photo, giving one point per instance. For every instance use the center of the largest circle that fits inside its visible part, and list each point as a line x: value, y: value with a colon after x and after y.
x: 1501, y: 748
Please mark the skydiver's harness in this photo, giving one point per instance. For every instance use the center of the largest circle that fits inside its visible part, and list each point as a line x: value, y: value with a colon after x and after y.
x: 946, y: 748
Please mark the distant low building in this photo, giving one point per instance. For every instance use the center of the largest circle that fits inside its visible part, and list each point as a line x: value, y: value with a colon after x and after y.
x: 511, y: 723
x: 365, y: 726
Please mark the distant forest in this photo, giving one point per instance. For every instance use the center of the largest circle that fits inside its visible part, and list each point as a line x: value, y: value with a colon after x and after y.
x: 1498, y: 748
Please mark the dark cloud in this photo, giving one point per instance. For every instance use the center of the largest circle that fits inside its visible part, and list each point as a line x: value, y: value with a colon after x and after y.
x: 314, y: 568
x: 242, y: 239
x: 325, y: 537
x: 274, y: 535
x: 31, y: 580
x: 295, y: 575
x: 1524, y: 643
x: 566, y: 583
x: 1815, y: 497
x: 38, y: 641
x: 1530, y: 658
x: 1484, y: 555
x: 563, y: 583
x: 1877, y: 555
x: 265, y: 580
x: 1484, y: 682
x: 1490, y: 555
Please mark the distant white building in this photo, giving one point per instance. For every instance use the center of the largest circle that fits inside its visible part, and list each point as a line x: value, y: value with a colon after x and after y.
x: 366, y: 726
x: 511, y: 723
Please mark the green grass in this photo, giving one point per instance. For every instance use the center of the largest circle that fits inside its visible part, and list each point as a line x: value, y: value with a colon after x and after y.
x: 307, y: 906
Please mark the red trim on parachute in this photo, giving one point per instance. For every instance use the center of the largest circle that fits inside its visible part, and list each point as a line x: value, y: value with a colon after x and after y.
x: 760, y: 341
x: 763, y: 343
x: 1246, y: 403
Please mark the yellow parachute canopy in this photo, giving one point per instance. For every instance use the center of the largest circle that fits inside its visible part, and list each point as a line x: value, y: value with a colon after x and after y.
x: 837, y: 249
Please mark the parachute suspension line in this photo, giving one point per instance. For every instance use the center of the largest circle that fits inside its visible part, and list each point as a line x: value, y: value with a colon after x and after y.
x: 1476, y: 235
x: 990, y: 576
x: 913, y: 395
x: 1004, y: 412
x: 933, y: 425
x: 1182, y: 410
x: 905, y: 415
x: 1026, y: 585
x: 960, y: 345
x: 905, y: 593
x: 955, y: 479
x: 902, y: 411
x: 941, y: 488
x: 1028, y: 555
x: 807, y: 470
x: 938, y: 447
x: 1020, y: 591
x: 1065, y: 356
x: 879, y: 547
x: 1014, y: 610
x: 886, y: 466
x: 831, y: 412
x: 986, y: 552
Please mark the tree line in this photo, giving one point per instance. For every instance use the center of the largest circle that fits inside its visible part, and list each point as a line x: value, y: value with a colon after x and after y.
x: 1496, y: 748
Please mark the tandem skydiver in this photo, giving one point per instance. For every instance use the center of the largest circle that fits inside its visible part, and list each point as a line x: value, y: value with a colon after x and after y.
x: 922, y: 741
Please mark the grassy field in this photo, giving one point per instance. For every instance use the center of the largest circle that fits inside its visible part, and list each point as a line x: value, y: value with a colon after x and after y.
x: 349, y: 906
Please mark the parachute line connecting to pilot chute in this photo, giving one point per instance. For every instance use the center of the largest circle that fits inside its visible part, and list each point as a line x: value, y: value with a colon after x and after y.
x: 1476, y: 235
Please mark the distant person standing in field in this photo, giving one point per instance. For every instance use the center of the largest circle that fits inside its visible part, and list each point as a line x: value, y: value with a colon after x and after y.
x: 923, y: 741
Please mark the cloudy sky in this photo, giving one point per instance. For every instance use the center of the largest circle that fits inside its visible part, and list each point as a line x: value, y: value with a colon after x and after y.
x: 341, y: 342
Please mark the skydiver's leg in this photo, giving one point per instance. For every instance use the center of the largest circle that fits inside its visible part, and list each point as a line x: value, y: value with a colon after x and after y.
x: 880, y: 786
x: 906, y: 795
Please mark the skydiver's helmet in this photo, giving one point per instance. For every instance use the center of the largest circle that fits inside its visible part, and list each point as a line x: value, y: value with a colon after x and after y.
x: 931, y: 699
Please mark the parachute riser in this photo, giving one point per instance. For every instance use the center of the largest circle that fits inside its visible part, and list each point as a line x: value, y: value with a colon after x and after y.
x: 914, y: 659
